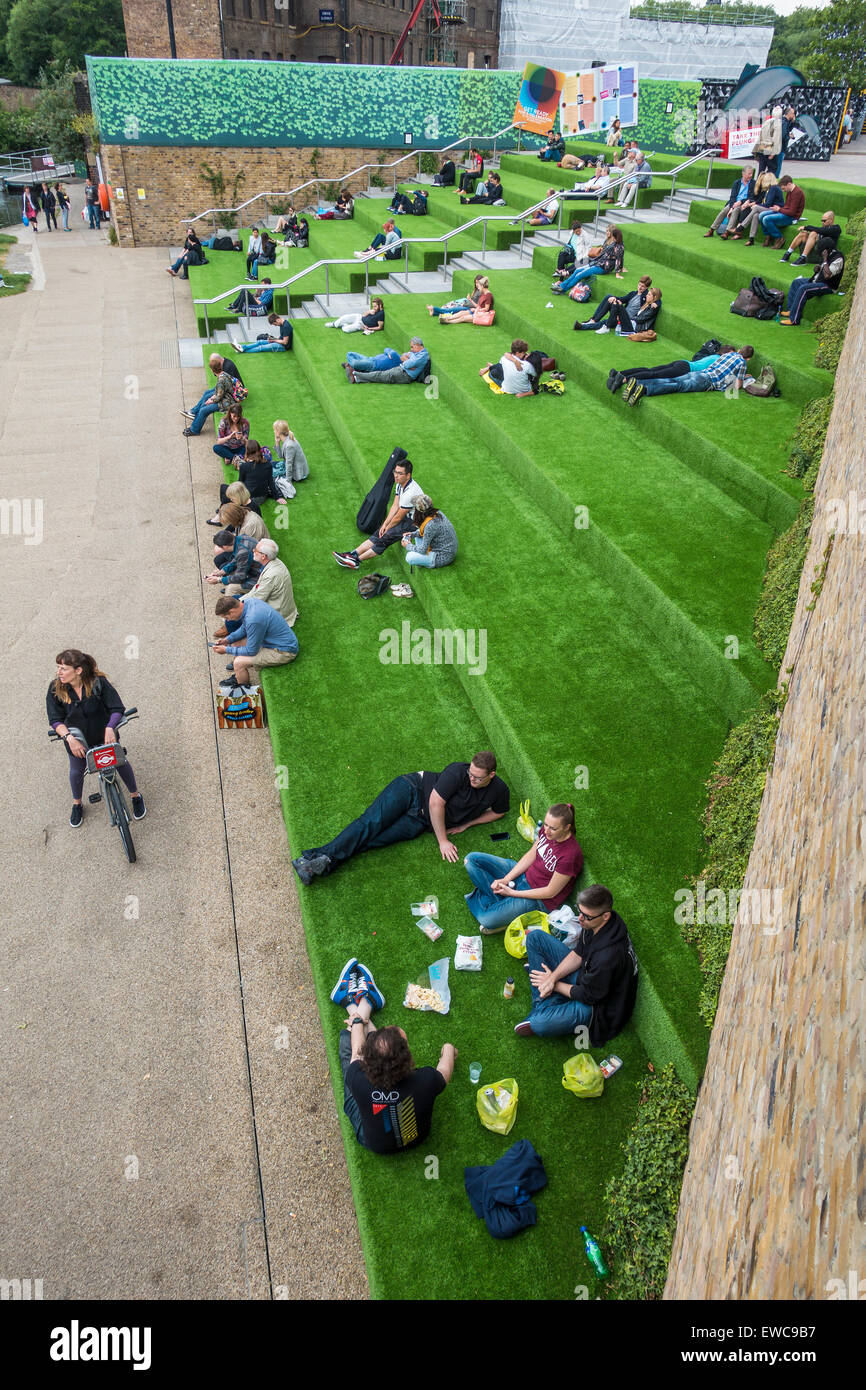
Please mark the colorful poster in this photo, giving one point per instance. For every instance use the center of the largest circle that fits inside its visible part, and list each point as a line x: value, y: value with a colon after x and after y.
x: 592, y: 101
x: 538, y: 99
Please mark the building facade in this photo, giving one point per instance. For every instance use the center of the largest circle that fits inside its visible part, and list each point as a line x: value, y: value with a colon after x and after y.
x: 347, y: 31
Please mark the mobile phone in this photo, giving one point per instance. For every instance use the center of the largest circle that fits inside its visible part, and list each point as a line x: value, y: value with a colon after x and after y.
x: 502, y: 835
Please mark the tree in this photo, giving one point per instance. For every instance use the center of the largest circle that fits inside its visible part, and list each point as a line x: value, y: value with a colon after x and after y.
x: 838, y: 52
x: 793, y: 39
x: 41, y: 32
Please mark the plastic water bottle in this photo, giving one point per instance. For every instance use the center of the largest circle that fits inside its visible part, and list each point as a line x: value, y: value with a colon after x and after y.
x: 593, y: 1253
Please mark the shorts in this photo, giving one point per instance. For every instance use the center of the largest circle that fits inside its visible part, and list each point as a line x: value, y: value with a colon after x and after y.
x: 268, y: 656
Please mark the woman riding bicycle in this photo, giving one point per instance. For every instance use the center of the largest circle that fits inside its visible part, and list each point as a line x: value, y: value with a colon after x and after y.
x: 84, y: 709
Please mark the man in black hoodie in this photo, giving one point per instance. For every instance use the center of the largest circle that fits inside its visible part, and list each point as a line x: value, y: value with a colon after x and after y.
x: 592, y: 983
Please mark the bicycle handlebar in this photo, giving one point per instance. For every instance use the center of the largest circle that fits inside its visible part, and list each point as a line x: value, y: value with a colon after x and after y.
x: 127, y: 715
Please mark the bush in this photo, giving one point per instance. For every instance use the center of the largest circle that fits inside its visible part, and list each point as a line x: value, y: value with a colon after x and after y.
x: 735, y: 791
x: 428, y: 163
x: 642, y: 1202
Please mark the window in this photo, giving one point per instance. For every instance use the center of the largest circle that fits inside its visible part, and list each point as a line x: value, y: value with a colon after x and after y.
x: 250, y: 53
x: 279, y: 57
x: 233, y: 53
x: 490, y: 22
x: 229, y: 9
x: 382, y: 49
x: 263, y: 9
x: 248, y: 9
x: 266, y: 57
x: 487, y: 60
x: 471, y: 16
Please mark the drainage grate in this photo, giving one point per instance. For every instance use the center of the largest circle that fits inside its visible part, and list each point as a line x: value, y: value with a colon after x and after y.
x: 169, y: 354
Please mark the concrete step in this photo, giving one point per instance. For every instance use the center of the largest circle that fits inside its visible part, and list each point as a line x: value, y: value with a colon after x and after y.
x: 497, y: 260
x: 315, y: 310
x: 341, y: 304
x: 419, y: 281
x: 390, y: 286
x: 221, y: 336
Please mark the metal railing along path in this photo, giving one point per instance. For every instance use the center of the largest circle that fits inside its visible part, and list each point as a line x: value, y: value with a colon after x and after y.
x: 472, y: 140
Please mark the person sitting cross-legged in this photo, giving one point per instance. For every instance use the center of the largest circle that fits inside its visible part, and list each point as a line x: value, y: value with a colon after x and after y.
x: 445, y: 803
x: 542, y: 879
x: 264, y: 638
x: 387, y: 1099
x: 590, y: 982
x: 730, y: 369
x: 434, y: 543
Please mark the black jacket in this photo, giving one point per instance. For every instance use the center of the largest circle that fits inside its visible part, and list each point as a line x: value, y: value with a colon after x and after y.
x: 90, y: 714
x: 607, y: 978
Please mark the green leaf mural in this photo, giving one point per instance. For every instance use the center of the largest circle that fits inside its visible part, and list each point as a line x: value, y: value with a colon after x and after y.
x: 164, y: 102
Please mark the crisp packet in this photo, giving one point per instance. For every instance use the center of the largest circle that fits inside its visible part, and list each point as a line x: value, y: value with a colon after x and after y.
x: 467, y: 955
x: 430, y: 993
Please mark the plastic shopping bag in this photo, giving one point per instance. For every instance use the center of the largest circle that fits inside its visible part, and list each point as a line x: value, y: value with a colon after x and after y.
x: 497, y: 1105
x: 468, y: 954
x: 430, y: 993
x: 515, y: 933
x: 582, y: 1075
x: 525, y: 823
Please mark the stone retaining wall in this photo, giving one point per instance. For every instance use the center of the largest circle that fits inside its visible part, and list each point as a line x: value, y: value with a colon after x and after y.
x: 774, y: 1197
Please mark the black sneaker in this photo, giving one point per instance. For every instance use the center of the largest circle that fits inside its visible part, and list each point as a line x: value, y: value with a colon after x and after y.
x: 347, y: 559
x: 139, y: 810
x: 77, y: 816
x: 801, y: 260
x: 636, y: 395
x: 786, y: 257
x: 616, y: 382
x: 308, y: 869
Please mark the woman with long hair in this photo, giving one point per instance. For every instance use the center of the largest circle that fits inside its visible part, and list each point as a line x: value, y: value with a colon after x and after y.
x: 289, y: 461
x: 434, y: 544
x: 481, y: 286
x: 541, y: 880
x: 233, y: 433
x: 604, y: 260
x: 84, y: 709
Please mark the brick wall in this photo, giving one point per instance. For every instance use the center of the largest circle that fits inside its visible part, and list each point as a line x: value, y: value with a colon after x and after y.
x: 196, y: 28
x: 774, y: 1196
x: 174, y: 189
x: 12, y: 97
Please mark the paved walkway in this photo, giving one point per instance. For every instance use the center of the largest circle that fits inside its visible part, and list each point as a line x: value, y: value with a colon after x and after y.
x: 156, y: 1140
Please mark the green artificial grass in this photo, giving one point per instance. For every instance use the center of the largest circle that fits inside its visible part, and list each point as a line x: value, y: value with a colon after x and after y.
x: 605, y: 651
x: 15, y: 282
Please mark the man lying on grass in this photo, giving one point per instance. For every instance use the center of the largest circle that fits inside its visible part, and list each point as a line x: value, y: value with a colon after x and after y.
x: 447, y: 802
x: 389, y: 368
x: 728, y: 370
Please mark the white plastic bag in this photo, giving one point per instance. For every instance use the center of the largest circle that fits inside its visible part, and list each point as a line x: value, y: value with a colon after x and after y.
x: 467, y: 955
x: 430, y: 993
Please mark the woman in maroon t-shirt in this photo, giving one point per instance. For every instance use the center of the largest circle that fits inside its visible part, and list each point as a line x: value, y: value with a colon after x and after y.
x: 542, y: 879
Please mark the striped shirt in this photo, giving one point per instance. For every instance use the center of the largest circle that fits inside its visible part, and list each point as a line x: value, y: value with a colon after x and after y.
x: 728, y: 368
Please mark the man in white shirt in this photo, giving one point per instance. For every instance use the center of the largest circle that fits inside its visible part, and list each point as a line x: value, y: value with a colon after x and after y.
x: 254, y: 249
x: 599, y: 183
x: 512, y: 373
x: 399, y: 520
x: 544, y: 216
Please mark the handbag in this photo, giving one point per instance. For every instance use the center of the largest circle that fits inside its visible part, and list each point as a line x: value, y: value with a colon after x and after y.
x: 645, y: 335
x: 484, y: 317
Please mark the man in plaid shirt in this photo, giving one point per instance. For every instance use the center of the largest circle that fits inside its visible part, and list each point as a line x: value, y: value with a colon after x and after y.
x: 731, y: 367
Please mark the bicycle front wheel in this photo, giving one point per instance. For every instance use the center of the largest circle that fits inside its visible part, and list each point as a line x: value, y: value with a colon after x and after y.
x: 121, y: 818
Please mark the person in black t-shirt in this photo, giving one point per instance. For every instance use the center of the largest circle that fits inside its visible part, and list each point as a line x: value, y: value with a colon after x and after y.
x: 446, y: 802
x: 388, y: 1100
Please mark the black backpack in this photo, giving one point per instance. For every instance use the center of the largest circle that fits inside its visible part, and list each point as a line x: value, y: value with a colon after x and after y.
x: 374, y: 508
x: 223, y: 243
x: 758, y: 301
x: 419, y: 205
x: 707, y: 349
x: 372, y: 585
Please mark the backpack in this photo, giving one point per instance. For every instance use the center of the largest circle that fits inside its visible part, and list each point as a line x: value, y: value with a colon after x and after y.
x: 372, y: 585
x: 419, y: 204
x: 239, y: 392
x: 223, y: 243
x: 764, y: 384
x: 566, y: 258
x: 707, y: 349
x: 374, y: 508
x: 748, y: 306
x: 580, y: 293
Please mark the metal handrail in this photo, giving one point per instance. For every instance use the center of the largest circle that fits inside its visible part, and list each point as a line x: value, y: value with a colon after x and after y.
x: 443, y: 240
x: 710, y: 153
x: 412, y: 154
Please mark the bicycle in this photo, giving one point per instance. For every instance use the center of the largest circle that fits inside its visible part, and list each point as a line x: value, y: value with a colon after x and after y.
x: 103, y: 760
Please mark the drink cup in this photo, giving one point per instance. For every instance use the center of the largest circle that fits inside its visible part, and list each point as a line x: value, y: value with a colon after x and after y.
x: 474, y: 1072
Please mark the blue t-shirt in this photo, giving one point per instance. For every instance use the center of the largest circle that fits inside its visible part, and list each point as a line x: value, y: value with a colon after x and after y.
x: 703, y: 362
x: 416, y: 363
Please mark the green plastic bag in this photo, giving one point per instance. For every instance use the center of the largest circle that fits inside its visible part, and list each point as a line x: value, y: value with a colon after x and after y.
x: 582, y: 1075
x: 499, y: 1111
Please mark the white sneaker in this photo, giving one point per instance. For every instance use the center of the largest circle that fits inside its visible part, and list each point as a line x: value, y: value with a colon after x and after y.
x: 330, y: 325
x: 359, y: 255
x: 604, y: 329
x: 402, y: 591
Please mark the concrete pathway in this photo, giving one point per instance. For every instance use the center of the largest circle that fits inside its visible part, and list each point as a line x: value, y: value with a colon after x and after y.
x: 157, y: 1141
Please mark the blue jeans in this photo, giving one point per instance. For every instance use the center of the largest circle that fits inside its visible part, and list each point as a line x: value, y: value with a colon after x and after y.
x: 583, y: 272
x: 201, y: 413
x: 551, y: 1017
x: 181, y: 261
x: 395, y: 815
x: 380, y: 363
x: 774, y: 223
x: 93, y: 216
x: 262, y: 347
x: 455, y: 308
x: 64, y: 213
x: 392, y: 254
x: 425, y: 558
x: 490, y: 911
x: 254, y: 268
x: 229, y: 454
x: 693, y: 381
